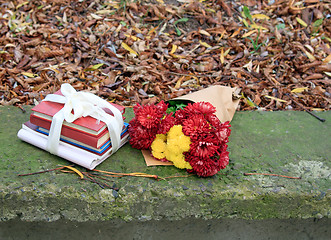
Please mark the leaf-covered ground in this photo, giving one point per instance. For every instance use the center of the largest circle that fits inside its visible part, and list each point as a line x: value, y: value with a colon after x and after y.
x: 276, y: 52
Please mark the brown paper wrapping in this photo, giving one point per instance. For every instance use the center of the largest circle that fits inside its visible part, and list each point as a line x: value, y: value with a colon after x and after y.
x: 219, y: 96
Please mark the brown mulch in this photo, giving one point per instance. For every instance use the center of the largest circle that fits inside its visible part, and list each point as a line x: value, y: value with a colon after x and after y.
x: 276, y: 52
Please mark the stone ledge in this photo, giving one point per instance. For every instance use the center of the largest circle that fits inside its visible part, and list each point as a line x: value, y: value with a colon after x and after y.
x: 286, y: 143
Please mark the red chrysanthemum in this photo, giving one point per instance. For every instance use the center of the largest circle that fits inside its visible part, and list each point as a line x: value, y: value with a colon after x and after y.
x: 166, y: 123
x: 195, y: 126
x: 204, y: 146
x: 161, y: 107
x: 136, y: 108
x: 146, y: 124
x: 223, y: 132
x: 180, y: 115
x: 148, y: 116
x: 141, y: 137
x: 203, y: 167
x: 224, y: 159
x: 204, y: 108
x: 214, y: 121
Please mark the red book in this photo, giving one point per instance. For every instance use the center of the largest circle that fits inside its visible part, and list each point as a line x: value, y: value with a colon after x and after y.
x: 124, y: 137
x: 85, y: 129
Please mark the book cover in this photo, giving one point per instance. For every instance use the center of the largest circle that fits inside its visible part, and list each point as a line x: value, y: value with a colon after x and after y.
x: 47, y: 110
x: 68, y: 131
x: 76, y: 143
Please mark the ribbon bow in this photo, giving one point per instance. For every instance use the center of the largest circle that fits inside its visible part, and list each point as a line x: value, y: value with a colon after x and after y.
x: 84, y: 104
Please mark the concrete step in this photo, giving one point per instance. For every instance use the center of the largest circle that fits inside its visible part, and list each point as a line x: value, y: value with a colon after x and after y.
x: 284, y: 143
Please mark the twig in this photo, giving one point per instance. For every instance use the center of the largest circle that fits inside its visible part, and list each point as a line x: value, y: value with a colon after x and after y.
x: 90, y: 180
x: 49, y: 170
x: 101, y: 184
x: 137, y: 174
x: 306, y: 110
x: 102, y: 177
x: 20, y: 107
x: 270, y: 174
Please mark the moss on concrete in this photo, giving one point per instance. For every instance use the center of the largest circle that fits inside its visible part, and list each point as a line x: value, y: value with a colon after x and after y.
x: 287, y: 143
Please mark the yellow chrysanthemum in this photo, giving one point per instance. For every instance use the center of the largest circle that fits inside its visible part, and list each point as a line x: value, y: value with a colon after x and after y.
x: 179, y: 161
x: 162, y: 136
x: 175, y: 132
x: 173, y: 146
x: 158, y: 145
x: 158, y: 155
x: 185, y: 142
x: 167, y: 154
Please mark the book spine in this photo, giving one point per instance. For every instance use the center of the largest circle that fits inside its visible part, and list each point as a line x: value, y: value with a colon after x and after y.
x: 68, y: 132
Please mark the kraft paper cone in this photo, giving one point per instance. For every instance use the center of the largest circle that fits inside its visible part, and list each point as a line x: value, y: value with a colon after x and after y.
x: 219, y: 96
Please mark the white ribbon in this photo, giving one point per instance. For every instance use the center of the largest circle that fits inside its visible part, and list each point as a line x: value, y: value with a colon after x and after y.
x: 84, y: 104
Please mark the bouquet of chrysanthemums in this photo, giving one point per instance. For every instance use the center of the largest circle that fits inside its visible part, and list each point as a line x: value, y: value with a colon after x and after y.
x: 188, y: 135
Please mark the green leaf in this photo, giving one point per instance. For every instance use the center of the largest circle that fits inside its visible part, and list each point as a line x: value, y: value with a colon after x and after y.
x: 250, y: 102
x: 318, y: 22
x: 175, y: 105
x: 171, y: 110
x: 27, y: 17
x: 178, y: 31
x: 245, y: 23
x: 247, y: 13
x: 280, y: 26
x: 94, y: 67
x: 178, y: 21
x: 253, y: 43
x: 181, y: 20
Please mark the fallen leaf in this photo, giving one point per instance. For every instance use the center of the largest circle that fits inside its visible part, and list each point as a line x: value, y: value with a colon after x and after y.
x: 205, y: 44
x: 173, y: 49
x: 96, y: 16
x: 134, y: 38
x: 222, y: 56
x: 235, y: 33
x: 94, y: 67
x: 249, y: 33
x: 258, y: 27
x: 260, y: 16
x: 204, y: 32
x: 327, y: 59
x: 310, y: 56
x: 126, y: 47
x: 328, y: 74
x: 104, y: 11
x: 30, y: 75
x: 274, y: 98
x: 302, y: 23
x: 299, y: 90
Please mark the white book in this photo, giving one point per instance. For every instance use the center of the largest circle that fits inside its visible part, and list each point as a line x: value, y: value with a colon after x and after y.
x: 69, y: 152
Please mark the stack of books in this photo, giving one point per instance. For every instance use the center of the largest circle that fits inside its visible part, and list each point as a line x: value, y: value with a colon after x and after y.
x: 85, y: 141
